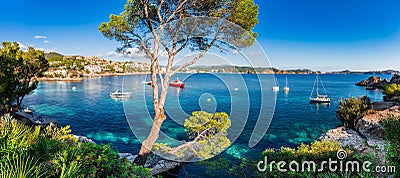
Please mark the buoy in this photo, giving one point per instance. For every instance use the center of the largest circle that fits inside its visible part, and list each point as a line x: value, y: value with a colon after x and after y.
x: 74, y: 88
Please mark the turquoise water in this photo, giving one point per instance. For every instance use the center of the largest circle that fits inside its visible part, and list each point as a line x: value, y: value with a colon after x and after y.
x: 90, y: 111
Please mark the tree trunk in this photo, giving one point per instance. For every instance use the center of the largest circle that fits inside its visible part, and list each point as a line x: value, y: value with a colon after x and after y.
x: 147, y: 144
x: 159, y: 118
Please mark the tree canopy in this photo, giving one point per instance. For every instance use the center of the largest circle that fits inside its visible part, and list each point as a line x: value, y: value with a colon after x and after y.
x: 208, y: 137
x: 18, y: 72
x: 141, y: 21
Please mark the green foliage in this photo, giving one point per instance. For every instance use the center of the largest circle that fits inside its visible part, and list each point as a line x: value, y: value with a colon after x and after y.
x: 215, y: 166
x: 352, y: 109
x: 18, y: 70
x: 21, y: 166
x: 391, y: 90
x: 201, y: 121
x: 132, y: 26
x: 392, y: 130
x: 208, y: 134
x: 54, y: 152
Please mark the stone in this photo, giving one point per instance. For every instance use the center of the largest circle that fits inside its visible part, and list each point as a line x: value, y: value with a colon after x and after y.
x: 346, y: 137
x: 157, y: 164
x: 373, y: 81
x: 395, y: 79
x: 84, y: 139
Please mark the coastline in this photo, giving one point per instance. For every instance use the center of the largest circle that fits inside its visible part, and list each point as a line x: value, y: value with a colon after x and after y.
x: 79, y: 79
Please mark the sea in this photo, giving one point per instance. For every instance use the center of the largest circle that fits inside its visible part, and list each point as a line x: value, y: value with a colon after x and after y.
x: 287, y: 118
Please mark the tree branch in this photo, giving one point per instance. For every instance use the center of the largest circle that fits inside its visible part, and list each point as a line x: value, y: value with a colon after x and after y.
x: 178, y: 9
x: 196, y: 58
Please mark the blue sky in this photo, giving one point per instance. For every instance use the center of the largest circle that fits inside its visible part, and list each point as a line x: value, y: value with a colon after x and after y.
x: 315, y: 34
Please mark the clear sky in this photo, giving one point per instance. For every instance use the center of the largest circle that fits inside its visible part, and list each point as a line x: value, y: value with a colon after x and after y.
x: 315, y: 34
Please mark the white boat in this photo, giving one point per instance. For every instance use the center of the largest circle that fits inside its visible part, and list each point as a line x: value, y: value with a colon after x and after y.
x: 118, y: 94
x: 276, y: 85
x: 319, y: 98
x: 286, y: 88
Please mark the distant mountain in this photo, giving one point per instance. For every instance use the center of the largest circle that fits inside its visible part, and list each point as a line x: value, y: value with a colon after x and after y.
x: 364, y: 72
x: 272, y: 70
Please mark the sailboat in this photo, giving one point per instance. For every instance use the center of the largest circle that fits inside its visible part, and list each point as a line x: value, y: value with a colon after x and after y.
x: 319, y: 98
x: 286, y: 88
x: 118, y: 94
x: 276, y: 86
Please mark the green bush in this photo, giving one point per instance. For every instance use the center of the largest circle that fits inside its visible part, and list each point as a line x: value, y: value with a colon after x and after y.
x: 392, y: 130
x: 54, y: 152
x: 352, y: 109
x: 391, y: 90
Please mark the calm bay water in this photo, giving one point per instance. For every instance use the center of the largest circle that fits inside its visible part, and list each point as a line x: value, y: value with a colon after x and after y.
x: 91, y: 112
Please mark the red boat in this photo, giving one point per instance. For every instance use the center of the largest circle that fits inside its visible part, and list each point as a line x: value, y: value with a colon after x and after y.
x: 177, y: 83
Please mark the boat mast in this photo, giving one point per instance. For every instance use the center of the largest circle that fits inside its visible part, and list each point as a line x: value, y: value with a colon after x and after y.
x: 317, y: 84
x: 286, y: 82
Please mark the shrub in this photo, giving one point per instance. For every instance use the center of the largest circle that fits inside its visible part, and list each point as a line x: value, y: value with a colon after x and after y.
x: 54, y: 152
x: 352, y: 109
x: 392, y: 130
x: 391, y: 90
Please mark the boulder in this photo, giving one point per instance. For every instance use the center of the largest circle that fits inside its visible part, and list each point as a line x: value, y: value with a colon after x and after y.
x: 347, y: 138
x: 84, y: 139
x: 369, y: 127
x: 374, y: 82
x: 395, y: 79
x: 157, y: 164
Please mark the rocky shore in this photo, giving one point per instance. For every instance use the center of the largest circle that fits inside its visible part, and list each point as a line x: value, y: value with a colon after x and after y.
x: 377, y: 82
x: 368, y: 136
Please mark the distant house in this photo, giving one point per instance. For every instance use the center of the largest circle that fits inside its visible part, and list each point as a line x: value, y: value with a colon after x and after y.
x: 93, y: 69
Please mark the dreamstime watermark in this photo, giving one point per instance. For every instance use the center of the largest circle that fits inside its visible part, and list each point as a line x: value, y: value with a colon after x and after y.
x: 331, y: 165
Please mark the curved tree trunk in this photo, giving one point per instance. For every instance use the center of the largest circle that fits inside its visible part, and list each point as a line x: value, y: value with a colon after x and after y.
x: 147, y: 144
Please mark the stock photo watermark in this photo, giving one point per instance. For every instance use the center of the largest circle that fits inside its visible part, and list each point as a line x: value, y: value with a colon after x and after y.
x: 340, y: 164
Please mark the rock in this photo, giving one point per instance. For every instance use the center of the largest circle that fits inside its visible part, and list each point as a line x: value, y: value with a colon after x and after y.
x: 372, y: 81
x: 377, y: 82
x: 164, y: 166
x: 395, y: 79
x: 380, y: 106
x: 84, y: 139
x: 347, y: 138
x: 370, y: 128
x: 390, y: 99
x: 157, y: 164
x: 128, y: 156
